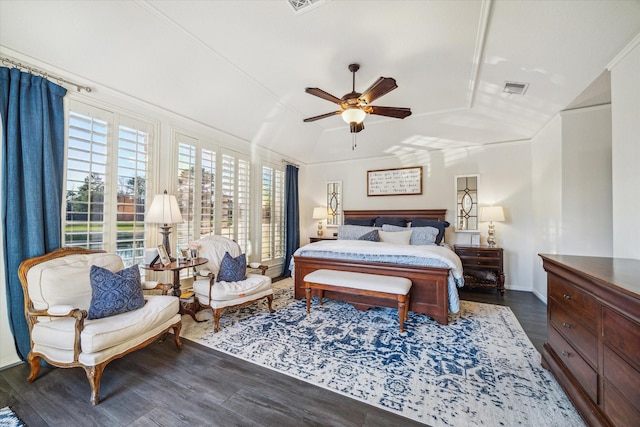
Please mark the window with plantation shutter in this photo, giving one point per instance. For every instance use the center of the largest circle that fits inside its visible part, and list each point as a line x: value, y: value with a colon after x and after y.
x: 272, y: 233
x: 106, y: 179
x: 213, y: 193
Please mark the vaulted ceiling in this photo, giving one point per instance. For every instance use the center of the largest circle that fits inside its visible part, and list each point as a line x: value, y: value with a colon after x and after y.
x: 242, y: 66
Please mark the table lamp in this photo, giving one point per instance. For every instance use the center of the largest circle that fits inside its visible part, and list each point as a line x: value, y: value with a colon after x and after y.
x: 320, y: 213
x: 164, y: 210
x: 490, y: 214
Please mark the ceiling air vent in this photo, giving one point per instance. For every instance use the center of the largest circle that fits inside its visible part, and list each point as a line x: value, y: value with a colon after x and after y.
x: 515, y: 88
x: 300, y: 6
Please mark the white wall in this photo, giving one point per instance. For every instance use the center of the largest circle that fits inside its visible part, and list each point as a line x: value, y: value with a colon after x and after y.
x: 505, y: 179
x: 625, y: 96
x: 546, y: 173
x: 571, y: 182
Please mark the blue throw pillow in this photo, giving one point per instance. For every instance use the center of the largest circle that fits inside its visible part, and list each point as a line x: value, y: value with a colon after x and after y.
x: 398, y: 222
x: 371, y: 236
x: 440, y: 225
x: 114, y: 293
x: 232, y: 269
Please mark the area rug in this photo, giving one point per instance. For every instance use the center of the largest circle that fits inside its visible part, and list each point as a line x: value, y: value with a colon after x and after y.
x: 481, y: 369
x: 8, y: 418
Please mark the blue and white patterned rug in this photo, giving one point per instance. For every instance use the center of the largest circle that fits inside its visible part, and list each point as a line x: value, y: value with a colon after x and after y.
x: 481, y: 369
x: 8, y: 418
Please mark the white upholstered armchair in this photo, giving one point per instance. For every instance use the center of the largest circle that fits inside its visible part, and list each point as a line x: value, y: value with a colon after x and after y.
x: 218, y: 295
x: 71, y: 327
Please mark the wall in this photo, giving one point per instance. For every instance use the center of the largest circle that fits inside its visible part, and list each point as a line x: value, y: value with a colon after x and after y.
x: 625, y: 96
x: 571, y: 183
x: 505, y: 179
x: 546, y: 175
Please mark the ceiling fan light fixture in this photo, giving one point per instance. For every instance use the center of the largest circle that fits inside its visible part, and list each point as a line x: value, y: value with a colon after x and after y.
x: 353, y: 115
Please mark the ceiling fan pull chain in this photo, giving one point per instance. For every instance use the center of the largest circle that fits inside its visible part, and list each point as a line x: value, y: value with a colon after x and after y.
x: 353, y: 143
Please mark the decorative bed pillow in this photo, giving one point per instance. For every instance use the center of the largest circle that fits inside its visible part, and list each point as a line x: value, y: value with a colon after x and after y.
x: 371, y: 236
x: 397, y: 237
x: 440, y: 225
x: 232, y: 269
x: 353, y: 232
x: 399, y: 222
x: 357, y: 221
x: 114, y: 293
x: 419, y: 235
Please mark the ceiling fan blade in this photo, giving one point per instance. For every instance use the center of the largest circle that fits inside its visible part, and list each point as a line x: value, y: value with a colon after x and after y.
x: 397, y: 112
x: 356, y: 127
x: 322, y: 94
x: 321, y: 116
x: 382, y: 86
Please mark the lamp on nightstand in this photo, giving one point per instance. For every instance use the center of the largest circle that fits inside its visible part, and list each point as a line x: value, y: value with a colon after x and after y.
x: 320, y: 213
x: 490, y: 214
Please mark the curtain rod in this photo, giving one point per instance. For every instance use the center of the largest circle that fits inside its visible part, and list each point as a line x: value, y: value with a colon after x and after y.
x: 34, y: 70
x: 290, y: 163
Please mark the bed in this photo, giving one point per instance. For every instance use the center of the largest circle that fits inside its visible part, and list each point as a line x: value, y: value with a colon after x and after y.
x: 430, y: 289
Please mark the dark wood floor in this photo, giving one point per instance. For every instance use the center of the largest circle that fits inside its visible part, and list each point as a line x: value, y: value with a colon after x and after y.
x: 161, y: 386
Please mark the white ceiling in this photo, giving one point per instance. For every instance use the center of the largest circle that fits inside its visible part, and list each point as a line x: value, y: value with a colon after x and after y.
x: 242, y: 66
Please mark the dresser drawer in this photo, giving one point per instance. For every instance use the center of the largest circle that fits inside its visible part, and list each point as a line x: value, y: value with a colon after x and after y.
x: 586, y: 376
x: 582, y: 338
x: 470, y: 262
x: 623, y: 377
x: 574, y: 300
x: 622, y: 334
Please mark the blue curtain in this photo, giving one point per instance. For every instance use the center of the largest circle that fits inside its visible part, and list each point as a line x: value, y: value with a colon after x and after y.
x: 32, y: 174
x: 292, y: 217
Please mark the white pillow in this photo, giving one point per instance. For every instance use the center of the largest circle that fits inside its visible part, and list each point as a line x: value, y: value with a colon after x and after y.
x: 397, y: 237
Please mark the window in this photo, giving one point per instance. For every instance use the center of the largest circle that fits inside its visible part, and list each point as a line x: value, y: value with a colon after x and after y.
x: 205, y: 209
x: 272, y: 235
x: 106, y: 181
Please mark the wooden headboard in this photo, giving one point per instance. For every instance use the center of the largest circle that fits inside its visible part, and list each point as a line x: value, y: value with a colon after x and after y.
x: 408, y: 214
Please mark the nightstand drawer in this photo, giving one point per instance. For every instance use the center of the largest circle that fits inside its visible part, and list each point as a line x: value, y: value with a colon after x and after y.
x: 478, y: 252
x: 468, y: 262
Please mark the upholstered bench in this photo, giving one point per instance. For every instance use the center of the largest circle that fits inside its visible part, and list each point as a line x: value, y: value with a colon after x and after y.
x: 395, y: 289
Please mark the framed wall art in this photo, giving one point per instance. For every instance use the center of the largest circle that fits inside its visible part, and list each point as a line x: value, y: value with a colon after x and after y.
x: 394, y: 182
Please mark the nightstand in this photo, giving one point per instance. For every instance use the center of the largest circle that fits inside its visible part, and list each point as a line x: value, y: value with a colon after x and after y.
x: 319, y: 238
x: 483, y: 266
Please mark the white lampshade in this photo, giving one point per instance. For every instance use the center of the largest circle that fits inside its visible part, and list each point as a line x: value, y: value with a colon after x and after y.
x: 320, y: 212
x: 164, y: 210
x: 492, y: 213
x: 353, y: 115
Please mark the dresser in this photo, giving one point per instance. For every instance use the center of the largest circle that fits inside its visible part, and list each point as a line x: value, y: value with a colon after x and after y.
x: 593, y: 335
x: 483, y: 266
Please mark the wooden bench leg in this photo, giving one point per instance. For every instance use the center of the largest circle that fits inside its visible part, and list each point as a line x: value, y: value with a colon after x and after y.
x: 307, y: 290
x: 320, y: 296
x: 402, y: 310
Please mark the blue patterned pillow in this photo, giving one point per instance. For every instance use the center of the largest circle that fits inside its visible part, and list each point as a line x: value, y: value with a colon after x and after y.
x: 114, y: 293
x: 232, y: 269
x: 371, y: 236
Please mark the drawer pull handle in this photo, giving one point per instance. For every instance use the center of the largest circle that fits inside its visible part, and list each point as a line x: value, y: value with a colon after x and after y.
x: 567, y: 325
x: 566, y: 354
x: 567, y: 296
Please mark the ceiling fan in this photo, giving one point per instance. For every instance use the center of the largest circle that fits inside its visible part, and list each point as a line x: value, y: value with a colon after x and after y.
x: 355, y: 106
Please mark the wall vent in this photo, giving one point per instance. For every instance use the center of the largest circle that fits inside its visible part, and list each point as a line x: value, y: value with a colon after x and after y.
x: 301, y: 6
x: 515, y: 88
